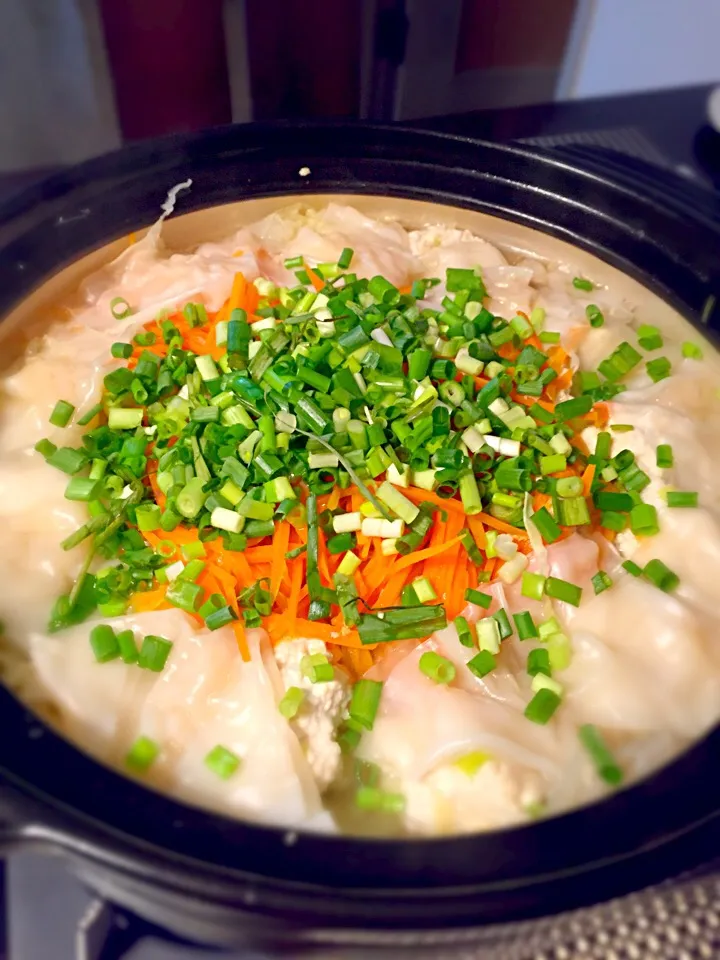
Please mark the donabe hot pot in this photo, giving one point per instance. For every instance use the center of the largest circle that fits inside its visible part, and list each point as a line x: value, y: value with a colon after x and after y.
x: 220, y: 880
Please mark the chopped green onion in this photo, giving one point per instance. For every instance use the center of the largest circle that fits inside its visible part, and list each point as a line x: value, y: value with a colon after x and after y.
x: 373, y: 799
x: 661, y: 576
x: 345, y: 258
x: 658, y: 369
x: 185, y: 595
x: 682, y: 498
x: 120, y: 308
x: 649, y: 337
x: 542, y: 706
x: 82, y: 489
x: 594, y: 315
x: 575, y: 407
x: 479, y: 598
x: 464, y: 632
x: 605, y: 763
x: 546, y: 525
x: 126, y: 644
x: 154, y: 653
x: 317, y: 668
x: 632, y: 568
x: 125, y: 418
x: 68, y: 460
x: 564, y: 591
x: 488, y: 634
x: 664, y: 456
x: 142, y: 755
x: 482, y: 664
x: 533, y: 585
x: 291, y: 702
x: 437, y: 668
x: 580, y: 283
x: 644, y: 520
x: 525, y: 625
x: 600, y: 582
x: 222, y: 762
x: 691, y: 351
x: 365, y: 702
x: 62, y: 413
x: 104, y: 643
x: 121, y: 351
x: 538, y: 662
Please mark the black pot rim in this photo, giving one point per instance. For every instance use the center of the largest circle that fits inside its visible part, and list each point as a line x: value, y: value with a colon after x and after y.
x: 668, y: 246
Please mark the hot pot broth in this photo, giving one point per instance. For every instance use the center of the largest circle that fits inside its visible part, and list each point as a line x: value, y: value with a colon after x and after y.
x: 248, y: 705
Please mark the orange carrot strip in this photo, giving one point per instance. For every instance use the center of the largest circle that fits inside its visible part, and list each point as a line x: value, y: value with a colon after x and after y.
x: 419, y: 496
x: 490, y: 521
x: 296, y: 579
x: 478, y: 531
x: 263, y: 554
x: 417, y: 556
x: 148, y: 600
x: 587, y: 478
x: 278, y: 567
x: 447, y: 573
x: 390, y: 594
x: 455, y: 523
x: 315, y: 278
x: 239, y: 630
x: 238, y: 293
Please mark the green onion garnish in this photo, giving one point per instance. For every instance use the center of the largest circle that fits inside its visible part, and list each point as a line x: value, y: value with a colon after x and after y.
x: 479, y: 598
x: 664, y: 456
x: 682, y: 498
x: 580, y: 283
x: 649, y: 337
x: 120, y: 308
x: 482, y: 663
x: 661, y: 576
x: 365, y: 702
x: 594, y: 315
x: 607, y: 768
x: 222, y: 762
x: 601, y: 581
x: 562, y: 590
x: 525, y: 625
x: 142, y: 755
x: 437, y: 668
x: 154, y: 653
x: 691, y: 351
x: 542, y: 706
x: 104, y: 643
x: 538, y: 662
x: 62, y: 413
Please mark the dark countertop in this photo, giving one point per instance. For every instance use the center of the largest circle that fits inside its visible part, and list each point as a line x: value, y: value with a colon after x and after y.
x: 668, y: 119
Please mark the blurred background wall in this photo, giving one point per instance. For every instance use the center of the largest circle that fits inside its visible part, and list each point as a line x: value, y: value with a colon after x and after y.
x: 79, y: 77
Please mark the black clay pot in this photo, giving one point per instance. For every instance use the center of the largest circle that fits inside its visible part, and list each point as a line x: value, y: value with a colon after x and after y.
x: 219, y: 880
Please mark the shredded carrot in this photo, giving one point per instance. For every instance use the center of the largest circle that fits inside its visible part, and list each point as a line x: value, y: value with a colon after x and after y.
x: 278, y: 567
x: 496, y: 524
x: 478, y: 531
x: 390, y: 594
x: 238, y: 297
x: 417, y: 556
x: 587, y: 478
x: 315, y: 279
x: 420, y: 496
x: 149, y: 600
